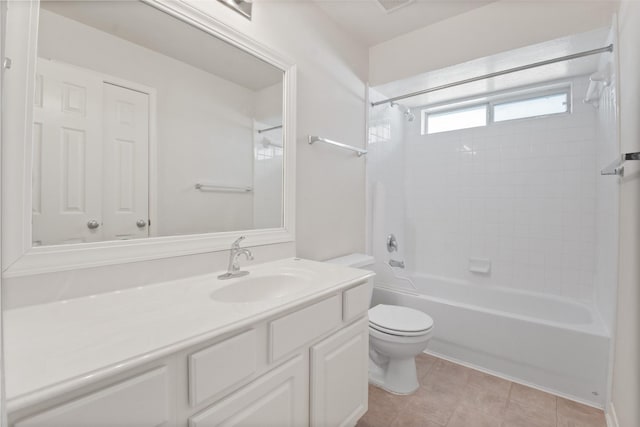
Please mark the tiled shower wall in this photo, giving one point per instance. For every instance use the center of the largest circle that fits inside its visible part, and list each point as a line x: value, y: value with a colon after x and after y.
x: 520, y: 194
x: 607, y: 197
x: 385, y: 180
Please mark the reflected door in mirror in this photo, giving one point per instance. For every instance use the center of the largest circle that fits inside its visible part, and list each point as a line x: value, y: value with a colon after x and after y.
x: 126, y: 172
x: 90, y: 157
x: 67, y: 155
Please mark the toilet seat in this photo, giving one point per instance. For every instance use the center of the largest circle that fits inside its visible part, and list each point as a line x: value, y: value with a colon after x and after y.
x: 398, y: 333
x: 399, y: 340
x: 399, y: 321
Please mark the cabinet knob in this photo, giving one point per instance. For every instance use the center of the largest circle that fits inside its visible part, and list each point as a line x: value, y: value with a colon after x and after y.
x: 141, y: 223
x: 93, y: 224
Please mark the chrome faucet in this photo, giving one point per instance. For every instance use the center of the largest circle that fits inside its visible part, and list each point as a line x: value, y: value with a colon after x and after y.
x: 233, y: 270
x: 392, y: 243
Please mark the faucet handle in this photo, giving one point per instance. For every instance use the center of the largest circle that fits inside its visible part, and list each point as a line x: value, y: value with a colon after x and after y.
x: 392, y: 243
x: 236, y: 244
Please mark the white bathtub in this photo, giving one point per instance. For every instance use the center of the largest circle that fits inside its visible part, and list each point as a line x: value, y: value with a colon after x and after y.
x: 548, y: 342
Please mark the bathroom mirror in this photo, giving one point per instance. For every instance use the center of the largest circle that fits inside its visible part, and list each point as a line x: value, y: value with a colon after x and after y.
x: 150, y: 123
x: 146, y: 126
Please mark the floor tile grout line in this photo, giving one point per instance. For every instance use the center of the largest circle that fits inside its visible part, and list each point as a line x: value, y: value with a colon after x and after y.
x: 401, y: 406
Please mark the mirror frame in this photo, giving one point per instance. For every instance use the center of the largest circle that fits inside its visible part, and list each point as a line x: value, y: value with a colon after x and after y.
x: 19, y: 257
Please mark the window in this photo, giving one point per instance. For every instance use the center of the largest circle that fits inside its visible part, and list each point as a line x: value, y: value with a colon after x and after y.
x: 463, y: 118
x: 379, y: 132
x: 267, y: 150
x: 496, y: 109
x: 531, y: 107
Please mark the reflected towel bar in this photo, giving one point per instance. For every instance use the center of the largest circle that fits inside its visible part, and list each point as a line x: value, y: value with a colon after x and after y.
x: 271, y: 128
x: 617, y: 167
x: 222, y: 188
x: 359, y: 151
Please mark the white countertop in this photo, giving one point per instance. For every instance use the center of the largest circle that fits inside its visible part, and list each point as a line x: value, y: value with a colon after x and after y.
x: 52, y: 348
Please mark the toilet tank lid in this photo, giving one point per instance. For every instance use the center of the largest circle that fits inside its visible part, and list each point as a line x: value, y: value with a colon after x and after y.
x: 353, y: 260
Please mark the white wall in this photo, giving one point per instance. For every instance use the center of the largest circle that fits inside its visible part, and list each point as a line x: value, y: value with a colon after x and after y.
x: 204, y: 125
x: 626, y: 371
x: 497, y: 27
x: 332, y: 70
x: 521, y: 194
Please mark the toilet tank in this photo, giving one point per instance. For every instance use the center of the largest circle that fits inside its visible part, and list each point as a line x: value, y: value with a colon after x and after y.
x: 362, y: 261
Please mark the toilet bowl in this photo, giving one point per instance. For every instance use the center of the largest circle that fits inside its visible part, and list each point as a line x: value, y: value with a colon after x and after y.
x: 396, y: 336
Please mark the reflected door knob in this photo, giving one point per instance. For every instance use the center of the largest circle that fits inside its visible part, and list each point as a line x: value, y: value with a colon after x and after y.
x: 141, y: 223
x: 93, y: 224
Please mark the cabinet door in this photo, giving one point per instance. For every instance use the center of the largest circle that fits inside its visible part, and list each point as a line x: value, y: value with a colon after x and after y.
x: 280, y: 398
x: 141, y: 401
x: 339, y: 377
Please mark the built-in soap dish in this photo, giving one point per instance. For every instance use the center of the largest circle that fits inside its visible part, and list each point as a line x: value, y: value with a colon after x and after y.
x: 479, y: 266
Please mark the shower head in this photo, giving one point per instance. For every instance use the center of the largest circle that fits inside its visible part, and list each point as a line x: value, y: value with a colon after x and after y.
x: 409, y: 115
x: 406, y: 111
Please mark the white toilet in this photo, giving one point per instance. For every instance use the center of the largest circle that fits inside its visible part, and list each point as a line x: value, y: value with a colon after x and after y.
x: 396, y: 336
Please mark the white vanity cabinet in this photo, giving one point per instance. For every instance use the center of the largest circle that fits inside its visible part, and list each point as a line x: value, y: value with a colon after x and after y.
x: 304, y: 366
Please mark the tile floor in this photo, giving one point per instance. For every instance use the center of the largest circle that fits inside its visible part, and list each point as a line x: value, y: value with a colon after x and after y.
x: 452, y: 395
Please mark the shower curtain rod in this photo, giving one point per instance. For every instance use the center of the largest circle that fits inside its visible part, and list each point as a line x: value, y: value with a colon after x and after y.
x: 497, y: 73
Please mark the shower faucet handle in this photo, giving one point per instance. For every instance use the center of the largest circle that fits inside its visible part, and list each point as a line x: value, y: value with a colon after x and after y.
x: 392, y: 243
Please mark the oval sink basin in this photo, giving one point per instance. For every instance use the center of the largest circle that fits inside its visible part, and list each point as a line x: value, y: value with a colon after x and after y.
x: 260, y: 288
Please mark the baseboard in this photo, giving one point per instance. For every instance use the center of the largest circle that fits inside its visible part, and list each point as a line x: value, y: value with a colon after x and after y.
x: 611, y: 417
x: 515, y: 380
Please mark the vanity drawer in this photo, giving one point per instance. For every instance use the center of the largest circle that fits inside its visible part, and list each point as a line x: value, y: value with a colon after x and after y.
x: 302, y: 326
x: 355, y: 302
x: 279, y: 398
x: 141, y: 401
x: 221, y: 365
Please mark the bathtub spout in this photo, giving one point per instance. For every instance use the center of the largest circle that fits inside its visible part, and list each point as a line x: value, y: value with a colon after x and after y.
x: 396, y: 263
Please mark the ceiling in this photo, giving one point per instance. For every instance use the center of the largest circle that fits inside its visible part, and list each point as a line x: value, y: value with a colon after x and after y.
x: 146, y: 26
x: 502, y: 61
x: 368, y: 21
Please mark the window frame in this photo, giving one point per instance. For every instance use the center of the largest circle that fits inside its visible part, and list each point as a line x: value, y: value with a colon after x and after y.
x: 426, y: 112
x: 491, y: 101
x: 566, y: 90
